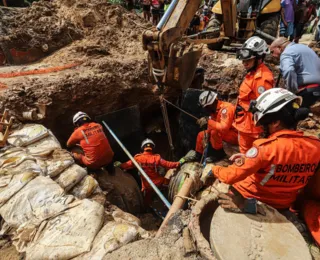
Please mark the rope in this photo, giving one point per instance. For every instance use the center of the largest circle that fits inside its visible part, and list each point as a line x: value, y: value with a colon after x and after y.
x: 183, y: 111
x: 184, y: 197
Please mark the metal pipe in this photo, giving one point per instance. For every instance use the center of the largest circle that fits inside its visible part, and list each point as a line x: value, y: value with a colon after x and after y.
x: 268, y: 36
x: 167, y: 14
x: 154, y: 187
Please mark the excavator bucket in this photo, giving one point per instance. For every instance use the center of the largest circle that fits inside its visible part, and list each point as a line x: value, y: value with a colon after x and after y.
x: 181, y: 70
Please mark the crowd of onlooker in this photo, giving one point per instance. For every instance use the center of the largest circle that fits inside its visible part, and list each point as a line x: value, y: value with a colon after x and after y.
x: 296, y: 16
x: 153, y: 10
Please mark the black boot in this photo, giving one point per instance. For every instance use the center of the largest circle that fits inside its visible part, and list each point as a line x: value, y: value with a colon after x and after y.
x: 214, y: 155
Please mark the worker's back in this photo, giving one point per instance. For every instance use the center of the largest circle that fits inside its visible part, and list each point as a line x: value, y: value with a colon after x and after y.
x: 287, y: 161
x: 306, y: 63
x: 94, y: 143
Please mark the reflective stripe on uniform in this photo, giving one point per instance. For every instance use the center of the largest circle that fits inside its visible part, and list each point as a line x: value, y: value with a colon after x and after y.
x: 85, y: 137
x: 269, y: 174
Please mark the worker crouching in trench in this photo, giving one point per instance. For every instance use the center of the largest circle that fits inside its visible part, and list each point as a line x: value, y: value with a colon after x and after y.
x: 90, y: 146
x: 277, y: 167
x: 219, y: 127
x: 150, y: 163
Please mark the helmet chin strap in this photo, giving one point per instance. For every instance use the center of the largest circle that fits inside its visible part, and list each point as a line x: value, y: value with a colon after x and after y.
x: 266, y: 132
x: 255, y: 65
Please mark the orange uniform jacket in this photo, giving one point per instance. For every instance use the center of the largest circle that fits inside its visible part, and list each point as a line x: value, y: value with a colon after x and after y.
x: 94, y: 143
x: 253, y: 85
x: 222, y: 121
x: 219, y: 128
x: 150, y: 162
x: 274, y: 169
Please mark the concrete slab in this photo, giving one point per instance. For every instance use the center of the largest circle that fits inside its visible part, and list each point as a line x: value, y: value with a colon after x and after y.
x: 245, y: 236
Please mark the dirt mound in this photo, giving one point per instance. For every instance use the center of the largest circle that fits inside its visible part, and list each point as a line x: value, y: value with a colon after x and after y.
x: 39, y: 26
x: 109, y: 68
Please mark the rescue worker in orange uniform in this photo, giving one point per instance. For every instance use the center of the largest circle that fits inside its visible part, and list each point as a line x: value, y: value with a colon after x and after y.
x: 275, y: 169
x: 95, y: 149
x: 150, y: 163
x: 258, y: 79
x: 219, y: 126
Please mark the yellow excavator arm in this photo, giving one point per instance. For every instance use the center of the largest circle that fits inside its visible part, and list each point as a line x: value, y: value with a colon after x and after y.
x: 172, y: 62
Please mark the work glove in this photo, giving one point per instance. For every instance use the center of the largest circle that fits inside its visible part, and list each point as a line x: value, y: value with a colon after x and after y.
x: 203, y: 121
x: 238, y: 204
x: 205, y: 177
x: 117, y: 164
x: 182, y: 161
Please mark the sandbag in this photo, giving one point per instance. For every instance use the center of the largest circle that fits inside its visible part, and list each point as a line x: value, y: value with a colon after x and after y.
x: 40, y: 198
x: 56, y: 163
x: 13, y: 162
x: 111, y: 237
x: 28, y: 134
x: 85, y: 188
x: 71, y: 176
x: 11, y: 184
x: 11, y: 153
x: 98, y: 196
x: 44, y: 146
x: 69, y: 234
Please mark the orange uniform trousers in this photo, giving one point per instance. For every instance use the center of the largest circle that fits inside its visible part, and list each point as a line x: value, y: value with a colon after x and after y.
x: 215, y: 138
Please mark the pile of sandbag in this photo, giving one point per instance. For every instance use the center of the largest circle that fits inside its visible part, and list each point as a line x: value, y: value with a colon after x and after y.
x: 43, y: 220
x: 35, y: 147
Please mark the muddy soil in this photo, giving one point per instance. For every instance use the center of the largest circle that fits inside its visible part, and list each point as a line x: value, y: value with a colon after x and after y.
x: 39, y: 26
x: 111, y: 71
x: 224, y: 73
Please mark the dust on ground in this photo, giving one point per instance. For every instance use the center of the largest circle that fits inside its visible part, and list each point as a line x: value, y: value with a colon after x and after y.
x: 8, y: 251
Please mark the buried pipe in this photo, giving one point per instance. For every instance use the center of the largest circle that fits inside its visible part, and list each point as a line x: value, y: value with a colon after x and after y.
x: 154, y: 187
x: 177, y: 204
x: 191, y: 183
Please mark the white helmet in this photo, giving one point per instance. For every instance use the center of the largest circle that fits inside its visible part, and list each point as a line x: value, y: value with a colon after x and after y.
x: 78, y: 116
x: 272, y: 101
x: 147, y: 142
x: 207, y: 98
x: 253, y: 47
